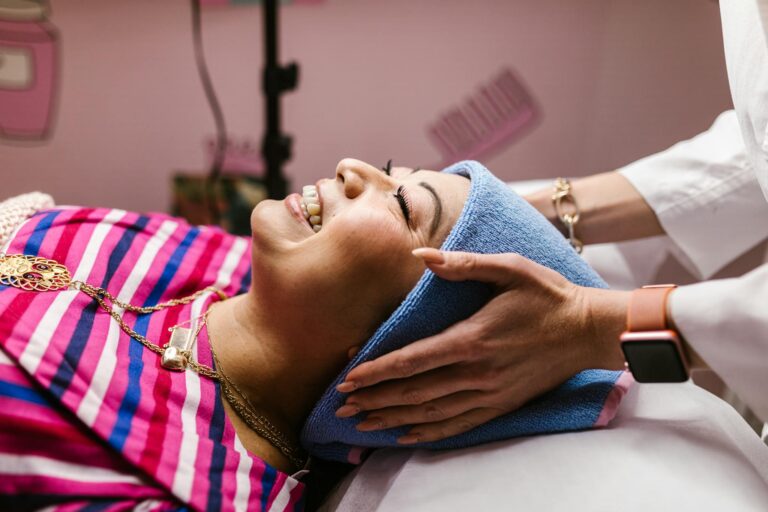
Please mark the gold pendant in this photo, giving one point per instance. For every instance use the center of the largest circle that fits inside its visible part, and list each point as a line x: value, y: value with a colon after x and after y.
x: 32, y: 273
x: 175, y: 352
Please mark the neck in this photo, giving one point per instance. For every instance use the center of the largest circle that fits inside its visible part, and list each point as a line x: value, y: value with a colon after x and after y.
x: 273, y: 365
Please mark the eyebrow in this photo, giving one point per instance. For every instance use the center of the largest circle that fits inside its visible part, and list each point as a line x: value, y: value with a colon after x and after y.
x: 438, y: 208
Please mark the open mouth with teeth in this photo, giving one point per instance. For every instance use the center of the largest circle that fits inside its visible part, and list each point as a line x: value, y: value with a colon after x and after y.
x: 310, y: 207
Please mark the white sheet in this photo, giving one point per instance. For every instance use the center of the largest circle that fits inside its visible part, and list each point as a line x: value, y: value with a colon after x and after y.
x: 671, y: 447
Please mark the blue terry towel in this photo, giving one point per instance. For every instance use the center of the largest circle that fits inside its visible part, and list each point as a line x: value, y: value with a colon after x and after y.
x: 494, y: 220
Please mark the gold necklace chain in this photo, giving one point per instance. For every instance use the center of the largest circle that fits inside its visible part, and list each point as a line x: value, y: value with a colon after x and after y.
x: 33, y: 273
x: 255, y: 421
x: 99, y: 294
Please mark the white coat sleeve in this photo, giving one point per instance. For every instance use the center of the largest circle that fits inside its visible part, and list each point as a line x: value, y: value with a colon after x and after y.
x: 726, y: 322
x: 705, y: 195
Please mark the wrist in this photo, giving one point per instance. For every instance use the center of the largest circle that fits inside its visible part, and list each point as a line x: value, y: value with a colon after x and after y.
x: 542, y: 201
x: 606, y: 320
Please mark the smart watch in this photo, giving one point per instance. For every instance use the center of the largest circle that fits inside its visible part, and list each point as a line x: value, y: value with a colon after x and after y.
x: 654, y: 353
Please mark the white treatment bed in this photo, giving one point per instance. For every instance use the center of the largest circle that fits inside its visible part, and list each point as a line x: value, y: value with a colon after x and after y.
x: 671, y: 447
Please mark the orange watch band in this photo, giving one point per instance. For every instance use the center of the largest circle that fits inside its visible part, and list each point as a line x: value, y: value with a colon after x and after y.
x: 648, y: 308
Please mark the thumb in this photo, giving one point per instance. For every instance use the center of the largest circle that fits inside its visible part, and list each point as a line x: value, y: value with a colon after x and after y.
x: 502, y: 270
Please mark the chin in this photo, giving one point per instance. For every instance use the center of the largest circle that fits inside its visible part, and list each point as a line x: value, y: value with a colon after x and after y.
x: 272, y: 226
x: 260, y: 221
x: 260, y: 213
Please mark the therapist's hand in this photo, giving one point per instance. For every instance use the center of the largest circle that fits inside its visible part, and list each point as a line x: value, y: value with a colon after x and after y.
x: 538, y: 331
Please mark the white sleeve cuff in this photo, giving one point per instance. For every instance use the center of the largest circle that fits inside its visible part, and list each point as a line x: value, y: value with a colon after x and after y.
x: 725, y: 321
x: 705, y: 195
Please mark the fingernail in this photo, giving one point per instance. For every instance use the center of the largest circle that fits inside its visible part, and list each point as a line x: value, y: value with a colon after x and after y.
x: 409, y: 439
x: 346, y: 387
x: 429, y: 255
x: 370, y: 424
x: 345, y: 411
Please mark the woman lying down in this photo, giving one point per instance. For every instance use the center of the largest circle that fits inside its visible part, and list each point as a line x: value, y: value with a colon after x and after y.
x: 150, y: 364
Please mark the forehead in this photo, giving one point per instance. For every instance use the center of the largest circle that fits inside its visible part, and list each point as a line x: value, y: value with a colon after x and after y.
x: 450, y: 185
x: 452, y: 190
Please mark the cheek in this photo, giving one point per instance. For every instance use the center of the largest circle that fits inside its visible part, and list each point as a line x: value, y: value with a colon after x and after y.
x: 376, y: 254
x: 358, y: 261
x: 370, y: 239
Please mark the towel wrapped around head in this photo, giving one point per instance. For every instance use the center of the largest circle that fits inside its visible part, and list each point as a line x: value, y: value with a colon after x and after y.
x: 494, y: 220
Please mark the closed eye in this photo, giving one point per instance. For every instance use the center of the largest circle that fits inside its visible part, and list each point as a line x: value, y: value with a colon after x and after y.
x: 405, y: 204
x: 400, y: 195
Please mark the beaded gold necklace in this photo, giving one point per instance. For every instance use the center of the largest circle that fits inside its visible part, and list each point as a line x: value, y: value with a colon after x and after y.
x: 36, y: 274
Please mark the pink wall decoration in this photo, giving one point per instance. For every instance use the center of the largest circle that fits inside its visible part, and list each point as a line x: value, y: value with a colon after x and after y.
x: 28, y: 70
x: 493, y: 117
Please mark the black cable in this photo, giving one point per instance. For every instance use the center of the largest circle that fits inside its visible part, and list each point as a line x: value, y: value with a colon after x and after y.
x: 218, y: 115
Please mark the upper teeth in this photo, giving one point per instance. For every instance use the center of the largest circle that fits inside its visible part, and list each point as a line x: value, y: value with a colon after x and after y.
x: 310, y: 206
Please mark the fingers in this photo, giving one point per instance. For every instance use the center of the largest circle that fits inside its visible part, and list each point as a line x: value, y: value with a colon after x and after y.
x: 503, y: 270
x: 436, y: 410
x: 443, y: 349
x: 430, y: 432
x: 415, y: 390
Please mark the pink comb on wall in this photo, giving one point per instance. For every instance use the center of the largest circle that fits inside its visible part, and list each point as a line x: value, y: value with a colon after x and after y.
x: 497, y: 114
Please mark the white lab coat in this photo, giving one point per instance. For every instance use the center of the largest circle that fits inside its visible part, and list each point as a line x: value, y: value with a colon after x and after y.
x: 711, y: 196
x: 671, y: 446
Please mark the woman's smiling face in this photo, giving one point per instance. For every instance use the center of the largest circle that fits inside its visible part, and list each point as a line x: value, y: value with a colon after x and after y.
x: 359, y: 266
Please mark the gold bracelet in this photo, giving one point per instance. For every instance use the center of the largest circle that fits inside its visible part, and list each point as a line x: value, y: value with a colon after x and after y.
x: 563, y: 195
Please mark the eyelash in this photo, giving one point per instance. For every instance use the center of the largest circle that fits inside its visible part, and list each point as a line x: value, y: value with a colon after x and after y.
x: 400, y: 195
x: 405, y: 203
x: 387, y: 168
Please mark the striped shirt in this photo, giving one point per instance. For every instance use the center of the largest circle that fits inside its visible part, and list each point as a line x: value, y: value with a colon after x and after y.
x: 88, y: 417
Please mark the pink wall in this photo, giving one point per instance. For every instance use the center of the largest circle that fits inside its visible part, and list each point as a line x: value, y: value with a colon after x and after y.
x: 616, y: 79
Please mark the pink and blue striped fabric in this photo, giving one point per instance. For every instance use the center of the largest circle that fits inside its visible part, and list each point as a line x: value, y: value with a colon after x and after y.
x: 88, y: 418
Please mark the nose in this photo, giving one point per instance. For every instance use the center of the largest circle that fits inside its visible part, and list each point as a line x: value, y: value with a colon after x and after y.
x: 356, y: 176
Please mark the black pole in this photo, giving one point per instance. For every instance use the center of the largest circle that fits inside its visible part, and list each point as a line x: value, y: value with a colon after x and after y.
x: 276, y: 146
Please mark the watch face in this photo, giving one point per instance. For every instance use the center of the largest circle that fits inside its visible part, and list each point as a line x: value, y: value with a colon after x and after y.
x: 654, y: 360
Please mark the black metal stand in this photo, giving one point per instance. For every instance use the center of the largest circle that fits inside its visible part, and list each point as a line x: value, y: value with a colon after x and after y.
x: 276, y: 146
